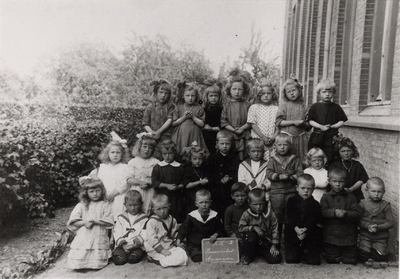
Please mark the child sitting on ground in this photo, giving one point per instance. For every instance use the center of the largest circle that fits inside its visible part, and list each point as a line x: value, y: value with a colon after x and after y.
x: 199, y: 224
x: 159, y: 232
x: 252, y: 171
x: 127, y: 229
x: 376, y: 220
x: 282, y: 170
x: 259, y: 228
x: 341, y: 215
x: 302, y: 235
x: 234, y: 212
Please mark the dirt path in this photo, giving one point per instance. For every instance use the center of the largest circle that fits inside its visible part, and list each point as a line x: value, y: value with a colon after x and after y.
x: 258, y: 269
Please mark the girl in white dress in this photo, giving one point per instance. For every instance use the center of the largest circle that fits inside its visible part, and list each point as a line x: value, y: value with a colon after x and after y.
x: 90, y: 219
x: 113, y: 172
x: 140, y: 169
x: 317, y: 159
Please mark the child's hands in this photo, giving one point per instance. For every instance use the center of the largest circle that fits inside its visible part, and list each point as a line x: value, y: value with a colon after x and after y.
x: 180, y: 244
x: 203, y: 181
x: 340, y: 213
x: 188, y: 114
x: 274, y: 251
x: 213, y: 238
x: 301, y: 232
x: 172, y: 187
x: 144, y: 185
x: 89, y: 224
x: 298, y: 122
x: 156, y: 135
x: 207, y: 127
x: 165, y: 252
x: 283, y: 176
x: 238, y: 131
x: 225, y: 179
x: 258, y: 231
x: 372, y: 228
x: 180, y: 186
x: 325, y: 127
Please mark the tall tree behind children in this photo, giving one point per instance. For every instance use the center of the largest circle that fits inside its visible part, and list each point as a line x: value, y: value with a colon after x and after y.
x: 188, y: 118
x: 326, y: 117
x: 291, y: 117
x: 356, y: 174
x: 90, y: 219
x: 141, y: 167
x: 157, y: 117
x: 234, y: 113
x: 222, y: 170
x: 167, y: 179
x: 113, y: 172
x: 213, y: 108
x: 195, y: 177
x: 261, y: 117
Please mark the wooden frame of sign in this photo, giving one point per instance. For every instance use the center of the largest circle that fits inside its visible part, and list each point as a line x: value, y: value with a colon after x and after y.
x: 225, y: 249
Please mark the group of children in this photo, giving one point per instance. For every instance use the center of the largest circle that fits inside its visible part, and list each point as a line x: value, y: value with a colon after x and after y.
x: 232, y: 170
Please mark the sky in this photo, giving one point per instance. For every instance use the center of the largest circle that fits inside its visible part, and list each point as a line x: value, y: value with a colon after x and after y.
x: 32, y: 30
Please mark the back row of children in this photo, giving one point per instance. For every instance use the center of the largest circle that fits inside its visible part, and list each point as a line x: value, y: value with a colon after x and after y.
x: 275, y: 174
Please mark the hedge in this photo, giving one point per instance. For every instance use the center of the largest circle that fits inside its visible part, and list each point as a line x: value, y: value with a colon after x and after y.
x: 45, y: 149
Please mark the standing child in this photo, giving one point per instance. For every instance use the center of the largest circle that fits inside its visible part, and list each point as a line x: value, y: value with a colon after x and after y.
x: 167, y: 179
x: 157, y: 117
x: 113, y: 172
x: 234, y: 113
x: 262, y: 115
x: 141, y: 168
x: 159, y: 233
x: 90, y: 219
x: 195, y: 177
x: 376, y: 220
x: 326, y: 117
x: 234, y: 212
x: 199, y: 224
x: 212, y: 109
x: 341, y: 214
x: 222, y: 171
x: 317, y: 159
x: 127, y: 230
x: 283, y: 170
x: 356, y: 174
x: 252, y: 171
x: 259, y: 228
x: 302, y: 235
x: 188, y: 118
x: 291, y: 117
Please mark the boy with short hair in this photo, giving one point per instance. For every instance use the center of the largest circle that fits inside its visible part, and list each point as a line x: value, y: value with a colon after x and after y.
x: 302, y: 235
x: 252, y: 171
x: 159, y: 232
x: 259, y: 228
x: 282, y: 170
x: 234, y: 212
x: 199, y: 224
x: 127, y: 230
x: 376, y: 220
x: 341, y: 215
x: 326, y: 117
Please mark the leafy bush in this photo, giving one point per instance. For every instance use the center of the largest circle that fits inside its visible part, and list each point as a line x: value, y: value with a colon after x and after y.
x: 43, y: 156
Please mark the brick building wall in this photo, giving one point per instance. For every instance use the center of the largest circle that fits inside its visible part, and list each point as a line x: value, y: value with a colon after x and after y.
x: 362, y: 38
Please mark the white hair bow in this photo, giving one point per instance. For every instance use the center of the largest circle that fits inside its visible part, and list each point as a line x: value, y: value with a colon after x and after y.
x: 115, y: 137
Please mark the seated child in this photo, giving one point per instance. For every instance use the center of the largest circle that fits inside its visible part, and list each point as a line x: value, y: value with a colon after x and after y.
x: 259, y: 228
x: 282, y: 170
x: 159, y: 233
x: 127, y: 229
x: 234, y: 212
x: 376, y: 220
x: 341, y: 215
x: 252, y: 171
x: 317, y: 159
x: 199, y: 224
x: 302, y: 235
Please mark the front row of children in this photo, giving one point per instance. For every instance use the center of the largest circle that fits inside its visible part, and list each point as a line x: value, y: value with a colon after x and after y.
x: 254, y: 224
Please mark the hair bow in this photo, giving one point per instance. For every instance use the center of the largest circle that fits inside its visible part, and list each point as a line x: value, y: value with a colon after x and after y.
x: 144, y: 134
x: 82, y: 180
x: 158, y: 82
x: 115, y: 137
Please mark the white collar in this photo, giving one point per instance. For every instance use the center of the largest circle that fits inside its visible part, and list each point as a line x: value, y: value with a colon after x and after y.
x: 174, y: 164
x: 262, y: 213
x: 196, y: 215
